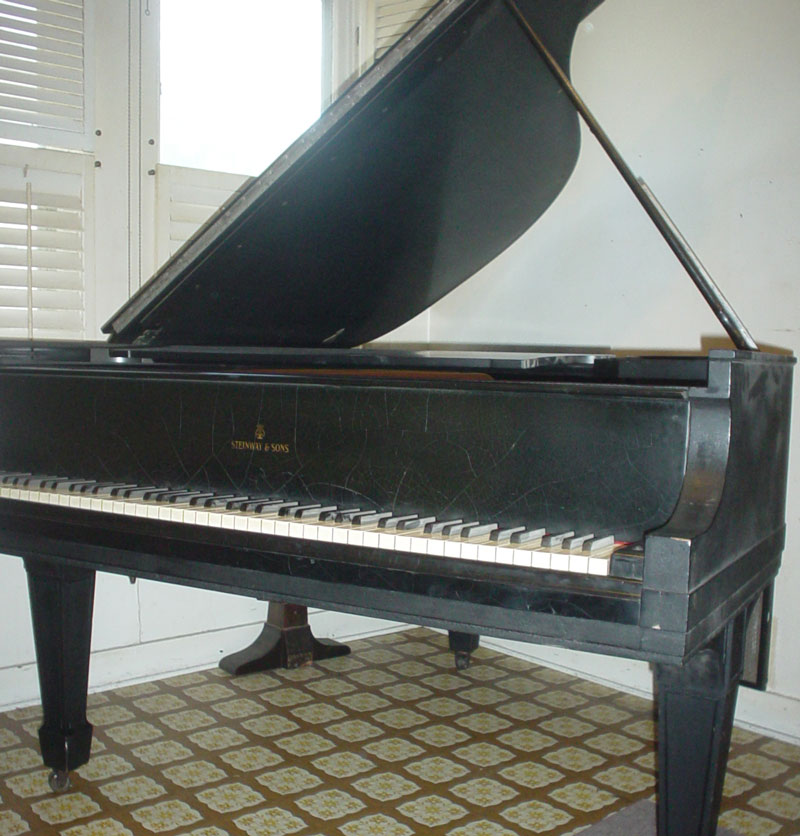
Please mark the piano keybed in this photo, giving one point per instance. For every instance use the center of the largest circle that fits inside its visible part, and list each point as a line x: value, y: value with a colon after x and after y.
x: 531, y: 548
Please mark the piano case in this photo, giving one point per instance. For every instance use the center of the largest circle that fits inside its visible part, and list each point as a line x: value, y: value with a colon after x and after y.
x: 241, y: 373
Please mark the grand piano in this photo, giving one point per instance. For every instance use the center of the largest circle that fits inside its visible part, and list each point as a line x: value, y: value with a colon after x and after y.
x: 240, y: 430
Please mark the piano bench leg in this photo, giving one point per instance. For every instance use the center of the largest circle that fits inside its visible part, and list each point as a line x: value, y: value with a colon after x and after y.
x: 61, y: 609
x: 696, y: 703
x: 286, y: 641
x: 462, y: 645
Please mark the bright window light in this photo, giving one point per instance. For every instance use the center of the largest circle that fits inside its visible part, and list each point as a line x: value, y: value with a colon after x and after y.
x: 240, y: 80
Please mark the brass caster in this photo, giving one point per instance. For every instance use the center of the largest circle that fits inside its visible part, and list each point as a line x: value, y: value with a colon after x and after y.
x: 58, y: 780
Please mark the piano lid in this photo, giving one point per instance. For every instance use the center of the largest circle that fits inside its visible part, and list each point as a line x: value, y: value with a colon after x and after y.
x: 433, y: 163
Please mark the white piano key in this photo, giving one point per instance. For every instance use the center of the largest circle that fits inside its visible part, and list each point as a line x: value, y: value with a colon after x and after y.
x: 267, y: 525
x: 240, y: 521
x: 599, y: 565
x: 281, y: 528
x: 355, y: 537
x: 165, y: 513
x: 96, y: 504
x: 487, y: 554
x: 579, y: 563
x: 63, y: 499
x: 403, y: 543
x: 201, y: 518
x: 436, y: 547
x: 559, y: 561
x: 176, y: 514
x: 387, y: 541
x: 469, y: 551
x: 524, y: 557
x: 228, y: 520
x: 452, y: 548
x: 254, y: 525
x: 505, y: 555
x: 5, y: 493
x: 372, y: 539
x: 340, y: 535
x: 539, y: 559
x: 325, y: 533
x: 152, y: 512
x: 190, y: 516
x: 419, y: 545
x: 14, y: 493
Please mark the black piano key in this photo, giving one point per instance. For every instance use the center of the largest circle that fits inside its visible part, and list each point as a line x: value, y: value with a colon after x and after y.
x: 575, y: 542
x: 180, y: 497
x: 312, y: 512
x: 199, y: 498
x: 174, y: 496
x: 274, y: 508
x: 527, y: 536
x: 77, y: 487
x: 222, y: 500
x: 470, y: 532
x: 63, y: 484
x: 417, y: 522
x: 598, y: 543
x: 369, y: 517
x: 503, y: 535
x: 393, y: 522
x: 135, y: 492
x: 555, y: 540
x: 249, y: 504
x: 346, y: 514
x: 109, y: 488
x: 153, y: 494
x: 89, y: 487
x: 34, y: 481
x: 437, y: 527
x: 8, y: 478
x: 455, y: 529
x: 291, y: 510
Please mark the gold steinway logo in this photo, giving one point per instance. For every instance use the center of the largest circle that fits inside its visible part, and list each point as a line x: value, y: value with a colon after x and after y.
x: 260, y: 443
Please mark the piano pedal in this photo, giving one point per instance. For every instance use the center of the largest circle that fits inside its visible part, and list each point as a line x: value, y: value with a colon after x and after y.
x: 462, y: 645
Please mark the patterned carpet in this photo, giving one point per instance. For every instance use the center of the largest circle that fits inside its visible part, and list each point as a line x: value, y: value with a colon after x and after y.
x: 388, y: 741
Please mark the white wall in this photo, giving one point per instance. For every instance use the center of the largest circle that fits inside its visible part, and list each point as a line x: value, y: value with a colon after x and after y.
x: 701, y: 98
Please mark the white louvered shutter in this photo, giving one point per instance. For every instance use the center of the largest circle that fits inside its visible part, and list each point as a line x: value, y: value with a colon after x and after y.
x: 43, y: 72
x: 393, y: 18
x: 43, y: 243
x: 186, y: 198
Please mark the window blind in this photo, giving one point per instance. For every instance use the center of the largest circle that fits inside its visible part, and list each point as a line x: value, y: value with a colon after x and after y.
x: 43, y: 243
x: 393, y: 18
x: 186, y: 198
x: 42, y: 72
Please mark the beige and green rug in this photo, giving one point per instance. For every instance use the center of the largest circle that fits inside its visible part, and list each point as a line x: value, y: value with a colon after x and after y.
x: 388, y: 741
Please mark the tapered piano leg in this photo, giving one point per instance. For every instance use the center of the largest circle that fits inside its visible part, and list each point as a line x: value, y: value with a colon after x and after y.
x: 61, y: 609
x: 286, y: 641
x: 462, y: 645
x: 696, y: 703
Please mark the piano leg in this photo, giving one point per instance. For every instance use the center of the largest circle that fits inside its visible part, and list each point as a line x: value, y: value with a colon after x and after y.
x: 696, y: 703
x: 286, y: 641
x: 462, y: 645
x: 61, y: 608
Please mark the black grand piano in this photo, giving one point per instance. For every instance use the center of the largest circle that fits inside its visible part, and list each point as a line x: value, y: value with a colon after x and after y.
x: 239, y: 431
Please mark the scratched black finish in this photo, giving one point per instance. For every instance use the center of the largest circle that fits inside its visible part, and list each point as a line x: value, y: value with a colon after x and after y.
x: 512, y: 455
x: 441, y: 157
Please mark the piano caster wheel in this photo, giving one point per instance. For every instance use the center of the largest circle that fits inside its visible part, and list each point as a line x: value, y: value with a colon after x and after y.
x: 462, y: 660
x: 59, y: 781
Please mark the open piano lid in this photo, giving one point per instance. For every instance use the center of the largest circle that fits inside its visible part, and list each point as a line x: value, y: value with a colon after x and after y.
x: 433, y: 163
